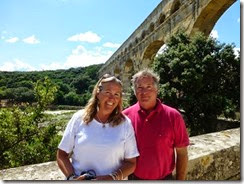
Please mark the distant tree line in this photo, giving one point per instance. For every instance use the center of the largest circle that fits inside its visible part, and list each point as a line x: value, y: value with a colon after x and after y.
x: 74, y: 85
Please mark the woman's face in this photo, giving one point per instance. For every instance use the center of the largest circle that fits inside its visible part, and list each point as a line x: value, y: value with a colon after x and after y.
x: 109, y: 97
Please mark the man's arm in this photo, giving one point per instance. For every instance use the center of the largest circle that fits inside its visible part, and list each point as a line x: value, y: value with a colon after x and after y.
x: 181, y: 163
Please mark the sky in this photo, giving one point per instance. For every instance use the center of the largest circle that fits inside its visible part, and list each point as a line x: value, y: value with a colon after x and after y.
x: 60, y: 34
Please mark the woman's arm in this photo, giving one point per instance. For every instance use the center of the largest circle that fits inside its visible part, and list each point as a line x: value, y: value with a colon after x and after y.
x: 64, y: 162
x: 128, y: 166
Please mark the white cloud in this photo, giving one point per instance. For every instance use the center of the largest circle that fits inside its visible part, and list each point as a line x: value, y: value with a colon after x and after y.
x: 3, y: 33
x: 12, y: 40
x: 238, y: 20
x: 16, y: 65
x: 31, y: 40
x: 52, y: 66
x: 214, y: 34
x: 81, y: 57
x: 85, y: 37
x: 111, y: 45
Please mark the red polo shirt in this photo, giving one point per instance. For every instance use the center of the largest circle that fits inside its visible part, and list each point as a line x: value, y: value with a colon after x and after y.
x: 157, y: 135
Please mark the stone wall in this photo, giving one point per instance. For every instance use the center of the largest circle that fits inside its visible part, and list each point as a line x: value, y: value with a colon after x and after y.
x: 214, y: 156
x: 139, y: 49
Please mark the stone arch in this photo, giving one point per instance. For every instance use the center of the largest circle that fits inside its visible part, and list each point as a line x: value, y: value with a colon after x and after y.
x: 212, y: 12
x: 152, y: 49
x: 151, y: 27
x: 194, y: 16
x: 175, y: 6
x: 128, y: 66
x: 117, y: 72
x: 143, y: 35
x: 161, y: 18
x: 136, y: 41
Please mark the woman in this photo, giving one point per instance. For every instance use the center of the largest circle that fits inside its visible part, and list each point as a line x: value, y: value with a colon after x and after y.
x: 100, y: 139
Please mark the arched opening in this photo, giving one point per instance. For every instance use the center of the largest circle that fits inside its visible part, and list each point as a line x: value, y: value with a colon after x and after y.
x: 143, y: 35
x: 161, y: 19
x: 152, y: 49
x: 136, y: 41
x: 117, y: 72
x: 161, y: 50
x: 175, y: 6
x: 151, y: 27
x: 212, y: 12
x: 128, y: 66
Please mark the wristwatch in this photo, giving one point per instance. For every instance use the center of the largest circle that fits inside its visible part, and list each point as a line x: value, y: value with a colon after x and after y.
x: 71, y: 177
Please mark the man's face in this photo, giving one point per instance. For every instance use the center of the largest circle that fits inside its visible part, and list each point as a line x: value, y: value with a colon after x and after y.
x: 146, y: 92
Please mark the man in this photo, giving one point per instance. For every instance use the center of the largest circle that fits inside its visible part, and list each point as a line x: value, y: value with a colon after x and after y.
x: 160, y: 132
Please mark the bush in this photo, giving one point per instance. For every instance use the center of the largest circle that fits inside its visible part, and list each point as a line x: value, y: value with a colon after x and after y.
x: 23, y: 138
x: 201, y: 77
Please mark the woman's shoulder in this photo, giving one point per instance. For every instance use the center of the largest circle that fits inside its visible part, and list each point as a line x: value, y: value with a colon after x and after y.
x: 78, y: 114
x: 77, y: 117
x: 127, y: 120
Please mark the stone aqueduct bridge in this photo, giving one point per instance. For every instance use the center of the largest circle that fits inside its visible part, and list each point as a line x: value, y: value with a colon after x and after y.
x: 139, y: 50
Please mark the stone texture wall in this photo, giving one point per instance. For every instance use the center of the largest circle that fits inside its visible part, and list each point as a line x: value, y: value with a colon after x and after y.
x: 139, y: 49
x: 214, y: 156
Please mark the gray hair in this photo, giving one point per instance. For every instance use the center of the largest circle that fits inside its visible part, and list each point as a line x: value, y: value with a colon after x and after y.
x: 144, y: 73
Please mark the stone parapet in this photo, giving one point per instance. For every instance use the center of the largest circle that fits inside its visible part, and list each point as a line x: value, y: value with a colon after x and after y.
x: 214, y: 156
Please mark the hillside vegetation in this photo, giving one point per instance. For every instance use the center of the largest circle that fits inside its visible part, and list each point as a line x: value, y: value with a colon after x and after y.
x: 74, y: 85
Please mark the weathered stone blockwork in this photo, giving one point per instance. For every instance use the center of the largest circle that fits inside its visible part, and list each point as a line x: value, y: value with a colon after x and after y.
x: 214, y: 156
x: 139, y: 50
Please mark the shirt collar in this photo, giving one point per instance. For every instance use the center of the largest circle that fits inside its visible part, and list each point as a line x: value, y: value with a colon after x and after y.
x: 157, y: 109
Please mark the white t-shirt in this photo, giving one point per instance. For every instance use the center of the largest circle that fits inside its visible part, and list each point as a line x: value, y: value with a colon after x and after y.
x: 96, y: 147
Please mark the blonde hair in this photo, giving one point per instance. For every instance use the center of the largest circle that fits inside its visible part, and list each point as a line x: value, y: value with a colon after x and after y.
x: 91, y: 109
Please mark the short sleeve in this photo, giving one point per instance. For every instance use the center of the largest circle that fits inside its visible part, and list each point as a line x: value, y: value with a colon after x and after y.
x: 181, y: 135
x: 131, y: 150
x: 68, y: 139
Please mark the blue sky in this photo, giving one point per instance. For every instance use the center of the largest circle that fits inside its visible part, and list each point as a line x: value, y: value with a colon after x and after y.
x: 59, y: 34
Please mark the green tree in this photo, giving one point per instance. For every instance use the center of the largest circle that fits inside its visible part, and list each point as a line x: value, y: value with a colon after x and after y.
x: 200, y: 76
x: 72, y: 99
x: 24, y: 136
x: 81, y: 83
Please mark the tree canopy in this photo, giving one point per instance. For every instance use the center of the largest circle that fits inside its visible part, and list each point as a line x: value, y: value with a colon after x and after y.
x: 74, y: 85
x: 201, y: 77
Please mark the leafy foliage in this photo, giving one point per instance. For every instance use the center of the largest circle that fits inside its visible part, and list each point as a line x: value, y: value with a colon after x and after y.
x: 201, y: 77
x: 25, y: 138
x: 74, y: 85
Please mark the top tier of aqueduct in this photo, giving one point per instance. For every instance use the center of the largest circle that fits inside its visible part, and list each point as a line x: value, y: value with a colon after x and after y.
x: 139, y: 50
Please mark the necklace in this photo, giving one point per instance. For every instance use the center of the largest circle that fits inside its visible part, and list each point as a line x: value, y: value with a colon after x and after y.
x: 101, y: 121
